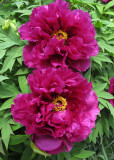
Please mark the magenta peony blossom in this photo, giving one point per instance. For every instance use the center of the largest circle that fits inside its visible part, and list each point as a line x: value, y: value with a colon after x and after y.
x: 59, y: 37
x: 61, y: 109
x: 105, y: 0
x: 111, y: 90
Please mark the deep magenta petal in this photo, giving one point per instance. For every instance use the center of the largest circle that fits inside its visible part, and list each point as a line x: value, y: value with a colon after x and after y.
x: 36, y: 110
x: 111, y: 90
x: 45, y: 22
x: 81, y: 64
x: 47, y: 143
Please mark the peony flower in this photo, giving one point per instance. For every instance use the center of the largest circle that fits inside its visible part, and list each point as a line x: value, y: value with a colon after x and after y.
x: 106, y: 0
x: 61, y: 109
x: 59, y: 37
x: 111, y: 90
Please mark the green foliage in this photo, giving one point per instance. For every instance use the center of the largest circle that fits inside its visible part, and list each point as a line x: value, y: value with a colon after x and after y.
x: 14, y: 143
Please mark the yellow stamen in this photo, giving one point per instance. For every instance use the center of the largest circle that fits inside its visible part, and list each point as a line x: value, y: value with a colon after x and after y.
x: 60, y: 104
x: 60, y: 35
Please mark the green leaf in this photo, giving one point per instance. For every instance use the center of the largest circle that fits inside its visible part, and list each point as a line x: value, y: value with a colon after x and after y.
x: 27, y: 154
x: 12, y: 54
x: 101, y: 106
x: 16, y: 126
x: 2, y: 53
x: 19, y: 4
x: 1, y: 148
x: 22, y: 71
x: 105, y: 95
x: 83, y: 154
x: 110, y: 13
x: 97, y: 60
x: 105, y: 123
x: 100, y: 8
x: 48, y: 1
x: 99, y: 87
x: 67, y: 155
x: 11, y: 36
x: 2, y: 78
x: 6, y: 132
x: 93, y: 136
x: 7, y: 90
x: 8, y: 38
x: 104, y: 58
x: 109, y: 4
x: 107, y: 104
x: 60, y: 156
x: 23, y: 84
x: 37, y: 150
x: 108, y: 23
x: 17, y: 139
x: 7, y: 104
x: 88, y: 74
x: 5, y: 11
x: 20, y: 60
x: 104, y: 152
x: 24, y: 12
x: 111, y: 108
x: 100, y: 128
x: 106, y: 46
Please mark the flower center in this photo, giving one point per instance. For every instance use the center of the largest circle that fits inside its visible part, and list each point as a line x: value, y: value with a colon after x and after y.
x: 60, y: 35
x: 60, y: 104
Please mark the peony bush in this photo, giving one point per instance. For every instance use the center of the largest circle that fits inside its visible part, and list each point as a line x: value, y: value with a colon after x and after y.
x: 56, y: 80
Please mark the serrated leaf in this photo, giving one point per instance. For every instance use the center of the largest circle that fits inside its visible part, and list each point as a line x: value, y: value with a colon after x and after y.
x: 23, y: 84
x: 12, y: 54
x: 10, y: 36
x: 19, y: 4
x: 108, y: 5
x: 7, y: 90
x: 105, y: 95
x: 104, y: 58
x: 106, y: 46
x: 104, y: 102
